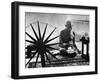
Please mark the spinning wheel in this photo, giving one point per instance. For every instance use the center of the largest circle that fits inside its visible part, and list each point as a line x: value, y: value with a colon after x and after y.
x: 40, y: 45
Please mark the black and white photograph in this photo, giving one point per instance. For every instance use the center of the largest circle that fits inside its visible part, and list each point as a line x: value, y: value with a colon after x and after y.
x: 56, y: 40
x: 51, y: 40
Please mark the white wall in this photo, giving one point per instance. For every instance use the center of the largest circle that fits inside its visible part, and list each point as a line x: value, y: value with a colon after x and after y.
x: 5, y: 42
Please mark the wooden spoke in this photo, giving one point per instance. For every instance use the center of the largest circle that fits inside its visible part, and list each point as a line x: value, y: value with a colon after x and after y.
x: 49, y: 35
x: 52, y: 54
x: 34, y: 32
x: 39, y: 30
x: 52, y: 44
x: 29, y: 41
x: 51, y: 48
x: 44, y: 32
x: 52, y: 39
x: 30, y: 36
x: 36, y: 60
x: 31, y: 58
x: 47, y: 58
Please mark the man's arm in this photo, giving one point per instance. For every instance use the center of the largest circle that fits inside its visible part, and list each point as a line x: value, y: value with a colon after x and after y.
x: 75, y: 44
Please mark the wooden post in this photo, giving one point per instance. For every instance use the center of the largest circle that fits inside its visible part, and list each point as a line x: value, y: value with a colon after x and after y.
x: 85, y: 42
x: 28, y: 53
x: 42, y: 59
x: 82, y: 48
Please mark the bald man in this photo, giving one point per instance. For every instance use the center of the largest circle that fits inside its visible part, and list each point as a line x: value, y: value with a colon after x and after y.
x: 67, y: 37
